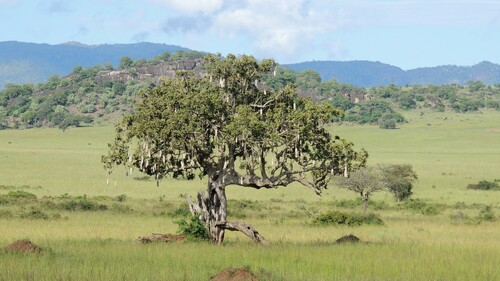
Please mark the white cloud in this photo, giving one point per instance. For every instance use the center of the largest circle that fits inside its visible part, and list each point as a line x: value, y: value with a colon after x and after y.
x: 280, y: 29
x: 289, y: 29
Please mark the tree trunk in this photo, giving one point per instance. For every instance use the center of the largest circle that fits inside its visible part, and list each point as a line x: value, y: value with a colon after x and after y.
x: 218, y: 199
x: 212, y: 211
x: 364, y: 199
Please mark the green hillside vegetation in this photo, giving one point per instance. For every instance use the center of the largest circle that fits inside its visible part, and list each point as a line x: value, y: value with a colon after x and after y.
x: 87, y: 95
x: 101, y: 93
x: 383, y: 105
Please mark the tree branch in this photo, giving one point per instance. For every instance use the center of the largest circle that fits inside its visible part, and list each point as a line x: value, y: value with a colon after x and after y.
x: 247, y: 229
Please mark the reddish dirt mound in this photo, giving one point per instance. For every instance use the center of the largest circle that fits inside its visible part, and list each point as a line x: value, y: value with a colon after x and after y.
x: 234, y: 274
x: 23, y: 246
x: 347, y: 239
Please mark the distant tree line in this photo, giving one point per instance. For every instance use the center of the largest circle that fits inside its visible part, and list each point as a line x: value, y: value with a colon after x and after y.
x: 382, y: 105
x: 82, y: 97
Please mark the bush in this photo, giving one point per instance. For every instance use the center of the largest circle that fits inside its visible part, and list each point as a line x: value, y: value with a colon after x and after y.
x: 484, y: 185
x: 193, y: 228
x: 422, y: 207
x: 35, y: 215
x: 387, y: 124
x: 486, y: 214
x: 17, y: 196
x: 121, y: 198
x: 83, y: 203
x: 349, y: 219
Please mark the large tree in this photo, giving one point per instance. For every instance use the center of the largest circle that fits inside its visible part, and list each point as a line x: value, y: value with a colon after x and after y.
x: 231, y: 129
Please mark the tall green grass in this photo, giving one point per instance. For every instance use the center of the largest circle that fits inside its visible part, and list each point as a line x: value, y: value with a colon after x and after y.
x: 118, y: 260
x: 448, y: 151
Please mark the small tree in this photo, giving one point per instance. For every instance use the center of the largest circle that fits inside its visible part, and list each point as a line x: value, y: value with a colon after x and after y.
x: 4, y: 122
x: 387, y: 123
x: 125, y: 62
x: 364, y: 181
x: 399, y: 179
x: 226, y: 127
x: 484, y: 185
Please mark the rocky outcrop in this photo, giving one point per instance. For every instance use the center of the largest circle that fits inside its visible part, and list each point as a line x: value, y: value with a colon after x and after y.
x: 153, y: 73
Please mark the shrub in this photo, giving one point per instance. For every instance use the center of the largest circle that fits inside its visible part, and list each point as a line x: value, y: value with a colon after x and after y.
x: 193, y: 228
x: 121, y: 198
x: 83, y: 203
x: 422, y: 207
x: 387, y: 124
x: 19, y: 194
x: 484, y: 185
x: 35, y: 215
x: 16, y: 196
x: 349, y: 219
x: 486, y: 214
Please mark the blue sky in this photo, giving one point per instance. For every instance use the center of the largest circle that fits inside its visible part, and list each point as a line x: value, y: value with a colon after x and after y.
x: 405, y: 33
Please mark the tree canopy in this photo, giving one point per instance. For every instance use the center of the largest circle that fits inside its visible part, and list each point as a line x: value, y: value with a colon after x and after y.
x: 399, y: 180
x: 233, y: 130
x: 364, y: 181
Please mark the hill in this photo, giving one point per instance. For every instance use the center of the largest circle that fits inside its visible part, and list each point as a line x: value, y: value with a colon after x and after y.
x: 370, y: 74
x: 87, y: 94
x: 33, y: 63
x: 103, y: 93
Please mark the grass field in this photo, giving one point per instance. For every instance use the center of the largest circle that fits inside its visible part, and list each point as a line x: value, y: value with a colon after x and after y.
x: 448, y: 151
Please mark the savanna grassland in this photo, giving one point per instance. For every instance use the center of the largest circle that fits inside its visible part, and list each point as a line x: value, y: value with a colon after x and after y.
x: 55, y: 192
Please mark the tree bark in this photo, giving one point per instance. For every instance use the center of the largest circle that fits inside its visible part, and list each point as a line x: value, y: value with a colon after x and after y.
x: 247, y: 229
x: 364, y: 199
x: 212, y: 211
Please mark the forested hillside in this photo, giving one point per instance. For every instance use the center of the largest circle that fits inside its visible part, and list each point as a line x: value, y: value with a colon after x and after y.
x: 383, y: 105
x: 33, y: 63
x: 90, y: 94
x: 101, y: 93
